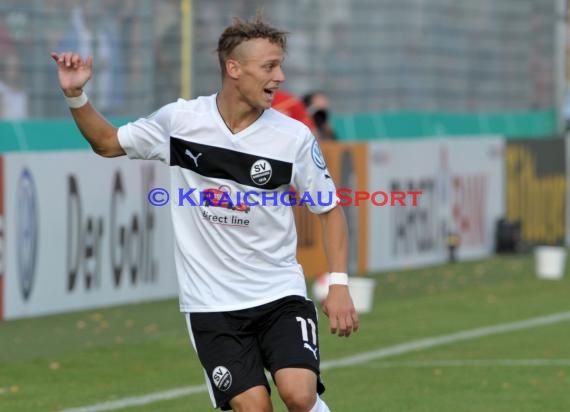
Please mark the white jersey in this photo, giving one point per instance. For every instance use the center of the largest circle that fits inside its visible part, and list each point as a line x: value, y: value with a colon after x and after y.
x: 235, y: 237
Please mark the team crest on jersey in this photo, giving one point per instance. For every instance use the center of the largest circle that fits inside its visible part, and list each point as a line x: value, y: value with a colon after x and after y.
x: 261, y: 172
x: 318, y: 157
x: 222, y: 378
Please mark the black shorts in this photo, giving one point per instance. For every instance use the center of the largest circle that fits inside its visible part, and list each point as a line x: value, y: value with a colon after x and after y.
x: 235, y: 347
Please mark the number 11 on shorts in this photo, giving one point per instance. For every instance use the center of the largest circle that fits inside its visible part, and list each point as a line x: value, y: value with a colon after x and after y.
x: 304, y: 330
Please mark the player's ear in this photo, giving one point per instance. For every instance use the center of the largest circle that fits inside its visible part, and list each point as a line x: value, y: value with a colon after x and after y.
x: 233, y: 68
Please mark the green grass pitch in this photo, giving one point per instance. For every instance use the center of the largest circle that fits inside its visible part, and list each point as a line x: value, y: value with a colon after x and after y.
x: 59, y: 362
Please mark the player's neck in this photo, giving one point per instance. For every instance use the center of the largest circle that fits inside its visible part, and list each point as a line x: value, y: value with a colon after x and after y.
x: 237, y: 114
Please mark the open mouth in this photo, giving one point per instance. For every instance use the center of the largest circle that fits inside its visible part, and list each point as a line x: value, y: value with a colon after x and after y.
x: 269, y: 93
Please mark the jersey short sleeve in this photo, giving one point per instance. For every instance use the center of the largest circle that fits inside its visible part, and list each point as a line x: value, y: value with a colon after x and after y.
x: 312, y: 179
x: 148, y: 138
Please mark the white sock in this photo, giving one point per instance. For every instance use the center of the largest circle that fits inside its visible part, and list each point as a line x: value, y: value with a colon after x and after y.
x: 320, y: 406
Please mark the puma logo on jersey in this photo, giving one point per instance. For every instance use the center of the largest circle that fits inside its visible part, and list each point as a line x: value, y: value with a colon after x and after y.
x: 195, y: 158
x: 314, y: 351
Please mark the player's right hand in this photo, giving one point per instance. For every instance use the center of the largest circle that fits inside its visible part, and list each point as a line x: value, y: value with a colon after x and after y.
x: 73, y: 72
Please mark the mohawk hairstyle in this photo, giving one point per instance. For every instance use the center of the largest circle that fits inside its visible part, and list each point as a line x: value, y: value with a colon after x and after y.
x: 240, y: 31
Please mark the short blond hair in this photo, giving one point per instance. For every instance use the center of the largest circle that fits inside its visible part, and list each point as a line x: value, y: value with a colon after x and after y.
x: 240, y: 31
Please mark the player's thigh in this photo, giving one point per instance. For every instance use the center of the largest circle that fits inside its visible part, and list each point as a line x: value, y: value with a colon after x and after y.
x: 231, y: 357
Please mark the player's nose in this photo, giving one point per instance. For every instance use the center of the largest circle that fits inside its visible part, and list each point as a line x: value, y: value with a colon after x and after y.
x: 279, y: 75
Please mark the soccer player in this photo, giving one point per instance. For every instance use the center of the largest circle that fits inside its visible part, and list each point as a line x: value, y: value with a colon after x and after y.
x: 241, y: 289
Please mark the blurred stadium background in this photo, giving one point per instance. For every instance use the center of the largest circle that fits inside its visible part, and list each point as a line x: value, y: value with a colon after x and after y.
x: 467, y: 101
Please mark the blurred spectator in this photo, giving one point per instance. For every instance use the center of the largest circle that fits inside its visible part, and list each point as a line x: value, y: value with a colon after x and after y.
x: 96, y: 34
x: 293, y: 107
x: 13, y: 97
x: 55, y: 22
x: 6, y: 43
x: 318, y: 107
x: 167, y: 38
x: 78, y: 36
x: 338, y: 65
x: 109, y: 54
x: 138, y: 69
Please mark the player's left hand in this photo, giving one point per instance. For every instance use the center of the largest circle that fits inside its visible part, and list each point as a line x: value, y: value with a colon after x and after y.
x: 339, y: 308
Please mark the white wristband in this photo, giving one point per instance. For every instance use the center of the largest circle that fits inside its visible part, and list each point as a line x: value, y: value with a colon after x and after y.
x: 338, y: 278
x: 77, y: 102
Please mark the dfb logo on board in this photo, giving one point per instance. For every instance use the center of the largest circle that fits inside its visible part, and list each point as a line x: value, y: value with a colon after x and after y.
x: 222, y: 378
x: 27, y: 231
x: 261, y: 172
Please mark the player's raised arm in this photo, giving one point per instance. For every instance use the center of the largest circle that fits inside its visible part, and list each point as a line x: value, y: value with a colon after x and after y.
x: 74, y: 73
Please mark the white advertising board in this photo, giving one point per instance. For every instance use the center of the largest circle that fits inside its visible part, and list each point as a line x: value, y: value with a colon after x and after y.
x: 462, y: 191
x: 478, y: 193
x: 79, y: 232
